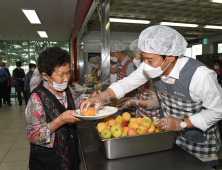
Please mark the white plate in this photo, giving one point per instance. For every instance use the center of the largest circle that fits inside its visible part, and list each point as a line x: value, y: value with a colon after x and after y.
x: 112, y: 109
x: 81, y: 89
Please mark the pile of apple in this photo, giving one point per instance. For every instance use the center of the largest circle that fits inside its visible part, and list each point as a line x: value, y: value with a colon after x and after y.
x: 126, y: 125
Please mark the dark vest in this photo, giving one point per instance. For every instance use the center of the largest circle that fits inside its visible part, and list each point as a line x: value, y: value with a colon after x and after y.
x: 65, y: 154
x: 176, y: 101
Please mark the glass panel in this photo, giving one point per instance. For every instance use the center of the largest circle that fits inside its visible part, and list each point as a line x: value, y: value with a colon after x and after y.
x: 34, y: 58
x: 12, y: 67
x: 3, y: 57
x: 38, y: 45
x: 196, y: 50
x: 2, y: 46
x: 14, y: 57
x: 220, y: 48
x: 18, y: 46
x: 64, y: 45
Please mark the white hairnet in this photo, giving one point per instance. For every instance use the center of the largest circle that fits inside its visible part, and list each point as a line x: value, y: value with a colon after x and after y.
x: 91, y: 59
x: 97, y: 59
x: 117, y: 46
x: 134, y: 46
x: 162, y: 40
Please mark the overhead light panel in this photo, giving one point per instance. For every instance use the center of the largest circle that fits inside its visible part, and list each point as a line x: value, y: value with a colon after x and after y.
x: 129, y: 21
x: 178, y: 24
x: 42, y: 34
x: 216, y: 1
x: 213, y: 26
x: 32, y: 16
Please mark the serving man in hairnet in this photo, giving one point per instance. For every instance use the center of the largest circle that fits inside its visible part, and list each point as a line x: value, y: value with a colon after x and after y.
x: 189, y: 93
x: 124, y: 67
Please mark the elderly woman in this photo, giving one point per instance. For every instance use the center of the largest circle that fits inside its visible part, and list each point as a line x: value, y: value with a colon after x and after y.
x: 147, y: 102
x: 51, y: 124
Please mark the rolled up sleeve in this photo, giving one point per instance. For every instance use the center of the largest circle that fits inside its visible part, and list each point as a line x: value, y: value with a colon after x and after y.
x: 205, y: 88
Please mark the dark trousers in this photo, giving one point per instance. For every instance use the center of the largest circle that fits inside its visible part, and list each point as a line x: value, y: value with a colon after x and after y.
x: 20, y: 89
x: 3, y: 93
x: 7, y: 98
x: 28, y: 94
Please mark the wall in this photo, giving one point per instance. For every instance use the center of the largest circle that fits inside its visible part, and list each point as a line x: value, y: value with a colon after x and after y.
x: 209, y: 48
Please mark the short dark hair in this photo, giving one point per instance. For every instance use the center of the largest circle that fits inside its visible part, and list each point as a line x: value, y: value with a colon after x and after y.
x: 32, y: 65
x: 164, y: 56
x: 218, y: 62
x: 52, y: 57
x: 18, y: 63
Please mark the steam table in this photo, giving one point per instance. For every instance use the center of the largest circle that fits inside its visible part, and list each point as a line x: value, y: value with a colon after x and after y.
x: 94, y: 159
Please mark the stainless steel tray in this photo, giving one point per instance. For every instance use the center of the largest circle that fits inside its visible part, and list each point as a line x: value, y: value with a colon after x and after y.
x: 136, y: 145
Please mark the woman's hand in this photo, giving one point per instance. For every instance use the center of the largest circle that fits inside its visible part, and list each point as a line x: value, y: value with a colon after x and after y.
x: 68, y: 117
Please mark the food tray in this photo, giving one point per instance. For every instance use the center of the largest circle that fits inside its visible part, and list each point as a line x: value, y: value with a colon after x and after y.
x: 136, y: 145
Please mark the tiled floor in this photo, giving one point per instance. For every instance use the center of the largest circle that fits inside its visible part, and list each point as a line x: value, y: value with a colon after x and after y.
x: 14, y: 145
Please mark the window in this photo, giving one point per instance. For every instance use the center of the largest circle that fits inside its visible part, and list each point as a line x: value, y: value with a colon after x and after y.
x: 64, y: 45
x: 14, y: 57
x: 34, y: 57
x: 18, y: 46
x: 3, y: 57
x: 38, y: 45
x: 2, y: 46
x: 25, y: 51
x: 196, y: 50
x: 220, y: 48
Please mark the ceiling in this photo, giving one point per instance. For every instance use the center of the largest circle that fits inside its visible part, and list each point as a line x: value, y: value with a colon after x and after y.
x: 201, y: 12
x: 56, y: 18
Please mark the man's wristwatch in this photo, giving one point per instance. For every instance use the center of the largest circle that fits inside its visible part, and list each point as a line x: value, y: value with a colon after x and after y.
x: 137, y: 102
x: 183, y: 124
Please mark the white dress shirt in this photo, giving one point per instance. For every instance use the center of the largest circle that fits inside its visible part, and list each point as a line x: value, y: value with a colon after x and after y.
x: 203, y: 87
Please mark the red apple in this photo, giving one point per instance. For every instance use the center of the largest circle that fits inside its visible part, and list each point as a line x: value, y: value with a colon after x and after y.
x: 131, y: 132
x: 125, y: 123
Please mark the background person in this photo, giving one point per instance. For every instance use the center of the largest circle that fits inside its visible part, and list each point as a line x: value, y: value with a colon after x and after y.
x: 6, y: 96
x: 147, y: 102
x: 124, y: 67
x: 51, y: 127
x: 4, y: 81
x: 28, y: 77
x: 217, y: 69
x: 98, y: 71
x: 19, y: 77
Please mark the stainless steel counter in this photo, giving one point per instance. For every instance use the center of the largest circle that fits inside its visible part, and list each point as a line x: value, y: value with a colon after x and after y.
x: 94, y: 159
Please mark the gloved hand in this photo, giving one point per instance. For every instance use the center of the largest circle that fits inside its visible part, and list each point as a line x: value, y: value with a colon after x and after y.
x: 98, y: 101
x: 126, y: 102
x: 169, y: 124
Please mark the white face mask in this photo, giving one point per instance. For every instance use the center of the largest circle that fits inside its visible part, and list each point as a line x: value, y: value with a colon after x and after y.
x: 153, y: 72
x: 96, y: 66
x: 113, y: 59
x: 216, y: 67
x: 33, y: 69
x: 19, y: 67
x: 137, y: 62
x: 92, y: 65
x: 58, y: 87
